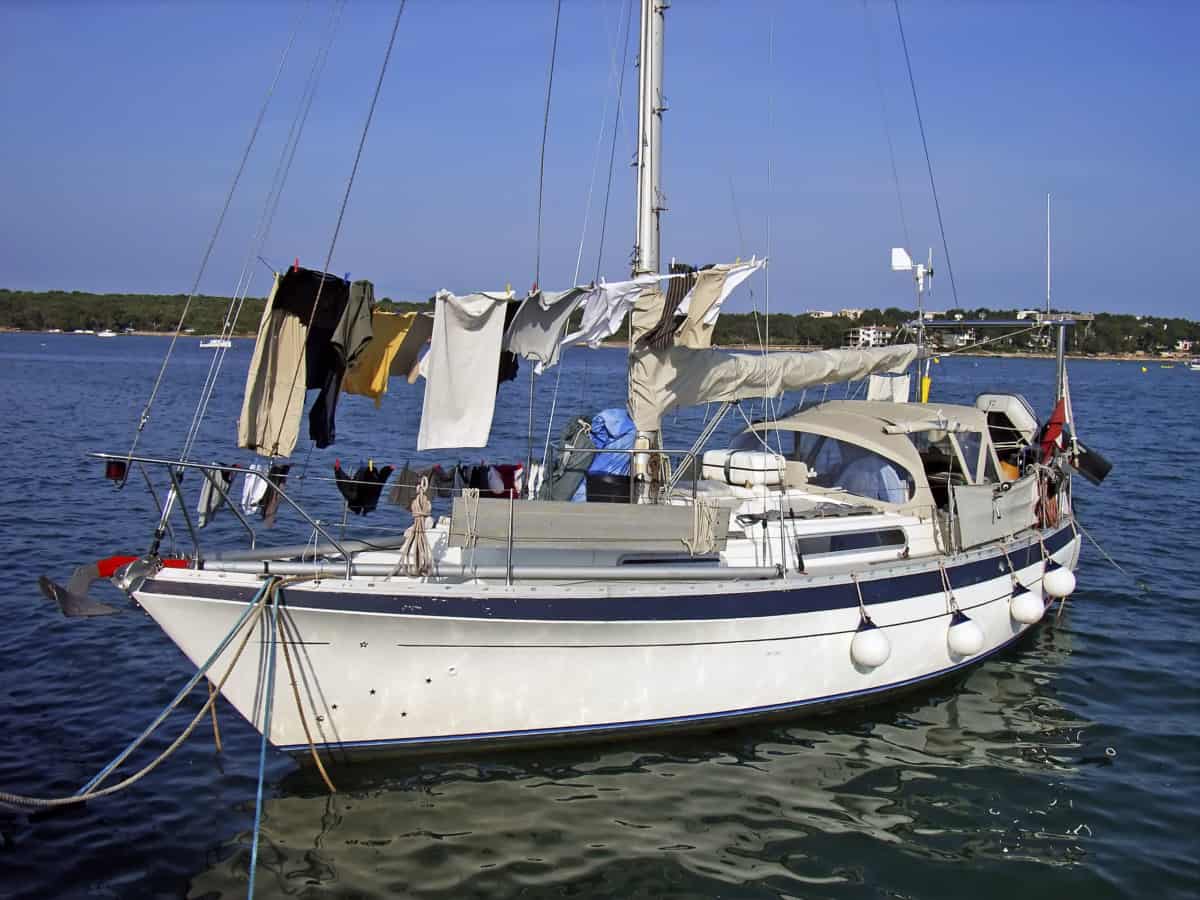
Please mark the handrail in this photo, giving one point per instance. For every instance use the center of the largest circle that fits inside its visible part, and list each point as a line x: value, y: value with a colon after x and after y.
x: 187, y: 517
x: 172, y: 464
x: 233, y: 508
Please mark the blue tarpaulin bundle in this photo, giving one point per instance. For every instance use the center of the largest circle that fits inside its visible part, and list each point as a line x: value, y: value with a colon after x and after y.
x: 612, y: 429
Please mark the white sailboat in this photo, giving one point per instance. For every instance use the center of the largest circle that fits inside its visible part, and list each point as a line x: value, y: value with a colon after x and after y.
x: 838, y: 554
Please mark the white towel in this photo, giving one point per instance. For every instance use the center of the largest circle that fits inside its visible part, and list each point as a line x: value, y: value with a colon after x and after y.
x: 253, y: 488
x: 461, y: 369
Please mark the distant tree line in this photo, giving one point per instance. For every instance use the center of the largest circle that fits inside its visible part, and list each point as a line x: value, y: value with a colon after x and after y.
x: 71, y: 310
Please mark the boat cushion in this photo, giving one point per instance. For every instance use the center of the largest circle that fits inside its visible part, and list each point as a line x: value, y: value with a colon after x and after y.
x: 579, y: 526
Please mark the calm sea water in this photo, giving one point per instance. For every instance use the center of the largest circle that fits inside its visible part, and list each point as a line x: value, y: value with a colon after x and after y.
x: 1068, y: 767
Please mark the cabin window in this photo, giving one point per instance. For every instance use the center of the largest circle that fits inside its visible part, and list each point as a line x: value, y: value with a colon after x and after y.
x: 990, y: 475
x: 970, y: 442
x: 850, y: 541
x: 854, y: 469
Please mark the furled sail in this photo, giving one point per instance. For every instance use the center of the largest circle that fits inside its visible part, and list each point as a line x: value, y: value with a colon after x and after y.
x: 662, y: 380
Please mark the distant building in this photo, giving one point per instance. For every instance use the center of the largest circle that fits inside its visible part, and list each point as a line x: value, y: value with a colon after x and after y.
x: 850, y: 313
x: 958, y: 317
x: 870, y: 336
x: 1028, y: 313
x: 819, y: 314
x: 1183, y: 346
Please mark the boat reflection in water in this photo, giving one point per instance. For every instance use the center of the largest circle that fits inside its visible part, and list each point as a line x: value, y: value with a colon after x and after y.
x: 978, y: 770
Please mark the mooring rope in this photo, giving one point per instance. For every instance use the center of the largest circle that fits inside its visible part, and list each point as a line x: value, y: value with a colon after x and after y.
x: 269, y: 708
x: 22, y: 801
x: 179, y: 697
x: 312, y: 748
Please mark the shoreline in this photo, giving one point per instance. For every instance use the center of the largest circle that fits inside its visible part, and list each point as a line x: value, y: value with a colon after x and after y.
x: 739, y: 348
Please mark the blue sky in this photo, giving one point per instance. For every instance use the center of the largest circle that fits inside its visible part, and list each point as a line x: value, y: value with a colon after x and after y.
x: 125, y: 122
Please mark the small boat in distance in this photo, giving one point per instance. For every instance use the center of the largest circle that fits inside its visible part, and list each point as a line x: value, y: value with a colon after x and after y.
x: 1194, y: 365
x: 216, y: 344
x: 106, y: 333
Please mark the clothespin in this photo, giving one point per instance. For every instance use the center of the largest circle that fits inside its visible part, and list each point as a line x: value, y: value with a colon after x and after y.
x: 370, y: 465
x: 296, y: 265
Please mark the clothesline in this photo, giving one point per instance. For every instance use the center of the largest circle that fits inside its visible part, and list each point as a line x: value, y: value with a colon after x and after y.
x: 329, y: 328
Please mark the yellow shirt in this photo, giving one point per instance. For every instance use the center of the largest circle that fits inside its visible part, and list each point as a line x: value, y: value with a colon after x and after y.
x: 369, y: 374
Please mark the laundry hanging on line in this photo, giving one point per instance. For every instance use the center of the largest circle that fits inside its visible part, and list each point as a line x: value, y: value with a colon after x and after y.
x: 313, y: 326
x: 361, y: 492
x: 702, y: 305
x: 213, y: 492
x: 277, y: 477
x: 605, y: 306
x: 393, y: 352
x: 254, y: 487
x: 536, y: 330
x: 460, y: 400
x: 510, y: 363
x: 655, y: 317
x: 328, y: 358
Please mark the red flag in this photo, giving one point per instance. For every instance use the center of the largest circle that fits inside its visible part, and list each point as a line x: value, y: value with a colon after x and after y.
x: 1052, y: 433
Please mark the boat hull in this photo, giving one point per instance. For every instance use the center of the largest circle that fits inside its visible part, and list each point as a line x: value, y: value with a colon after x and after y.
x: 393, y: 666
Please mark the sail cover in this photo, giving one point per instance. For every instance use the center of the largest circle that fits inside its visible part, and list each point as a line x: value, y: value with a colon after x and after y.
x: 660, y: 381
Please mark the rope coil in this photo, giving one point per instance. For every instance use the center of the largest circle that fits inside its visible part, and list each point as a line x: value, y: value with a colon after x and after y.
x: 415, y: 556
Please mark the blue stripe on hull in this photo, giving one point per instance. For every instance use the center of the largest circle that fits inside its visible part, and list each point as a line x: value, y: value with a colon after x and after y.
x: 715, y: 719
x: 727, y: 605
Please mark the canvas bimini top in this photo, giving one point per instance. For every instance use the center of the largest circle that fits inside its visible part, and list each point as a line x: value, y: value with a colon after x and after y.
x: 920, y: 440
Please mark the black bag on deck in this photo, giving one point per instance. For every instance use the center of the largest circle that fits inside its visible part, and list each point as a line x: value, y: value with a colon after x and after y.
x: 570, y: 467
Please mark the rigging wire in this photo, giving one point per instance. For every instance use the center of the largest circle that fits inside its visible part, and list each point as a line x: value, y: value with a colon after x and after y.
x: 769, y: 408
x: 587, y: 210
x: 612, y: 152
x: 613, y: 74
x: 873, y: 43
x: 1010, y: 334
x: 537, y: 269
x: 925, y: 144
x: 266, y: 220
x: 262, y: 112
x: 737, y: 221
x: 337, y: 230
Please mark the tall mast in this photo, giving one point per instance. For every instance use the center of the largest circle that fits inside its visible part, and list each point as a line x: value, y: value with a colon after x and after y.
x: 649, y: 159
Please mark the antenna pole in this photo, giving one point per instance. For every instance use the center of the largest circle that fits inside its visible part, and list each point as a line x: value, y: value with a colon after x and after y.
x: 1047, y: 254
